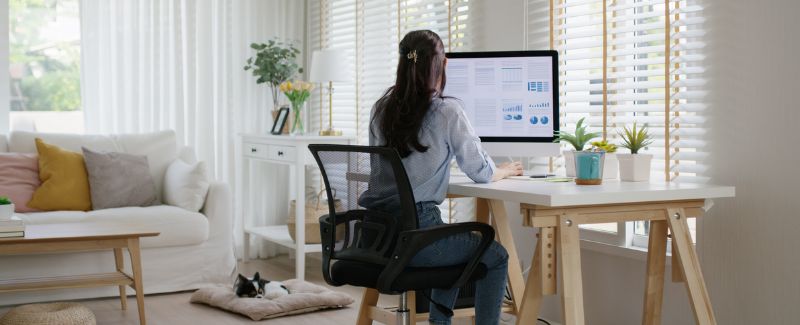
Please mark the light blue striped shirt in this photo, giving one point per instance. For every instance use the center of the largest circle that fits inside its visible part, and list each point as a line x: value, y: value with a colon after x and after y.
x: 447, y: 133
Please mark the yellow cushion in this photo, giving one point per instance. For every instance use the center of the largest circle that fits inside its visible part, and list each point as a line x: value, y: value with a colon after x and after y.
x: 65, y: 184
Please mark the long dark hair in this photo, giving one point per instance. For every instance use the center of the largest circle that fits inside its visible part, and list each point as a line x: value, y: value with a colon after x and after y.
x: 420, y: 77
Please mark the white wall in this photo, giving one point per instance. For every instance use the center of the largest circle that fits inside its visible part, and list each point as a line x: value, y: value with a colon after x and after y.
x: 748, y: 244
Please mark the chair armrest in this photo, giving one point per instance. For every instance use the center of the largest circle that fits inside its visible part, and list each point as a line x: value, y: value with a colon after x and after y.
x: 413, y: 241
x: 218, y: 208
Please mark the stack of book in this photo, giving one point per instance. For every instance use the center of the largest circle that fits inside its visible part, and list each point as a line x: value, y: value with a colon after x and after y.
x: 13, y: 227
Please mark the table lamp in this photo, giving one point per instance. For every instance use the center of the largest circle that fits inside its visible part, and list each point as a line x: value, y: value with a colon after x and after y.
x: 328, y: 66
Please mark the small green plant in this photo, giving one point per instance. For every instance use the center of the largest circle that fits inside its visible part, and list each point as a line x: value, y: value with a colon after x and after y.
x: 274, y: 63
x: 4, y: 200
x: 635, y: 139
x: 605, y: 146
x: 579, y: 139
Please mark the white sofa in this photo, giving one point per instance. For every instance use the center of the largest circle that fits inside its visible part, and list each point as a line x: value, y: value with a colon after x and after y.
x: 193, y: 250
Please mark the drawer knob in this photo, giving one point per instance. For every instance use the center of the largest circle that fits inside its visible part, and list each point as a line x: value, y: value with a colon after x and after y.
x: 280, y: 153
x: 253, y: 149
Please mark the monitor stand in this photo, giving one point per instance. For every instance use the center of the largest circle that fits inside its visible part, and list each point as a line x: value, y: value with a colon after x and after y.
x: 522, y: 149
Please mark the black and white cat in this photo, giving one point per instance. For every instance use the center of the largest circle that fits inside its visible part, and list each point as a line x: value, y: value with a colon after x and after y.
x: 258, y: 287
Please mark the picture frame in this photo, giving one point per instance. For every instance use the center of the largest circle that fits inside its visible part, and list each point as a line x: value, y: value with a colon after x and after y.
x: 280, y: 120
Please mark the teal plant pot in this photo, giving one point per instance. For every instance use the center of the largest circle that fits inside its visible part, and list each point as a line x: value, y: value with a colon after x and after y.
x: 589, y: 167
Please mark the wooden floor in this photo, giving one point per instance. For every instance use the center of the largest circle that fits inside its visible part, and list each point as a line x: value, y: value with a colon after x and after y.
x: 175, y: 309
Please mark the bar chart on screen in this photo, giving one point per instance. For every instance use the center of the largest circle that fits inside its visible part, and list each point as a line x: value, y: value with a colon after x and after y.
x: 539, y: 86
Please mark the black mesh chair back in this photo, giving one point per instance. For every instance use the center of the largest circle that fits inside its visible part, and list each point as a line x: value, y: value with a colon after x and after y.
x: 371, y: 233
x: 370, y: 201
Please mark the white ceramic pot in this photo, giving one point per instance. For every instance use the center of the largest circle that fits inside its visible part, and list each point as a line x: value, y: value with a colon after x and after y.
x: 6, y: 211
x: 634, y: 168
x: 569, y: 162
x: 611, y: 166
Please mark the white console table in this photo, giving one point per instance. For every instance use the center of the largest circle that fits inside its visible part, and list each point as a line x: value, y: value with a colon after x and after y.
x: 283, y: 150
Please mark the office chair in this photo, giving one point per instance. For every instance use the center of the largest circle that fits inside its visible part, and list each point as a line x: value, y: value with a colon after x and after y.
x: 370, y: 197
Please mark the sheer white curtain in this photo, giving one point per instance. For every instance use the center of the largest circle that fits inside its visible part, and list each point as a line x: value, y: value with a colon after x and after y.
x: 177, y: 64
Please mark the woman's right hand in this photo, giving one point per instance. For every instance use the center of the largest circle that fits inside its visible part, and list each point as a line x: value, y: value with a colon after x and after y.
x: 506, y: 170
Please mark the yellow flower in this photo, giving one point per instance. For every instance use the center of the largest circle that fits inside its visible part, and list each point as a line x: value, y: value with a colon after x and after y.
x: 308, y: 86
x: 282, y: 87
x: 289, y: 86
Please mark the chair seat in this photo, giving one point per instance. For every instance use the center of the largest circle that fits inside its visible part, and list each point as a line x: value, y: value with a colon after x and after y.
x: 363, y: 274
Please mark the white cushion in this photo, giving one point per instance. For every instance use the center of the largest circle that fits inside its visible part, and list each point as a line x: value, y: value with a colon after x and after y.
x: 22, y: 141
x: 186, y: 185
x: 161, y: 148
x: 187, y: 154
x: 178, y: 227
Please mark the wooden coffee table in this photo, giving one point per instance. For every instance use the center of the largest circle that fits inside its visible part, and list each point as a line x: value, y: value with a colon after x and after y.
x: 78, y: 237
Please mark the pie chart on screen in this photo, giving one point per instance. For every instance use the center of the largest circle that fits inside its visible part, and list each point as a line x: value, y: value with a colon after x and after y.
x: 544, y: 120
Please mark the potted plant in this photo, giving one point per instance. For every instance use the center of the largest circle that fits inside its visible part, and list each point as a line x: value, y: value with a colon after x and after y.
x: 6, y: 208
x: 297, y: 92
x: 611, y: 164
x: 635, y: 167
x: 578, y: 142
x: 274, y: 63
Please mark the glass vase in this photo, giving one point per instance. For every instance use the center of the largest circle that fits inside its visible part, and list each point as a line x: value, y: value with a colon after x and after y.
x: 297, y: 113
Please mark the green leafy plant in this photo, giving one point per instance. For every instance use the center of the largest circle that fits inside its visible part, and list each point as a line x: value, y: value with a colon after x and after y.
x: 605, y: 146
x: 4, y: 200
x: 579, y: 139
x: 274, y: 63
x: 635, y: 139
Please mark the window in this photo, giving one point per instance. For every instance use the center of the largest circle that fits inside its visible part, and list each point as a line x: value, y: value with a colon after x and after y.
x: 632, y: 61
x: 369, y: 31
x: 44, y: 65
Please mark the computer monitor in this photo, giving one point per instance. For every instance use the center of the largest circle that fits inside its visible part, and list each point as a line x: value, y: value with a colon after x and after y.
x: 510, y: 98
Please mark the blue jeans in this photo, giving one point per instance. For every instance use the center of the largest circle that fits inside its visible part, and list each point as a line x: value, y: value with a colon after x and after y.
x: 459, y: 249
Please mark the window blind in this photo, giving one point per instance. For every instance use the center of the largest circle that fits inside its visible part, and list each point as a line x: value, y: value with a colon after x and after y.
x: 370, y: 31
x: 332, y: 25
x: 449, y: 19
x: 635, y: 61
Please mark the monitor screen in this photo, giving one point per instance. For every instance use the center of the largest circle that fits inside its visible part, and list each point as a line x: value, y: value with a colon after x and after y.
x: 507, y: 96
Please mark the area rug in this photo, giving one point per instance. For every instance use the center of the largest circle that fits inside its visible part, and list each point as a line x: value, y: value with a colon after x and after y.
x: 58, y: 313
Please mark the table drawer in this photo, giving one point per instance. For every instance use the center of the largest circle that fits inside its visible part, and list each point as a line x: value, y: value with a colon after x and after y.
x: 282, y: 153
x: 256, y: 150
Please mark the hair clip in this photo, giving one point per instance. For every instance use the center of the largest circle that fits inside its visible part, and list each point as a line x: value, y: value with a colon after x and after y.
x: 412, y: 55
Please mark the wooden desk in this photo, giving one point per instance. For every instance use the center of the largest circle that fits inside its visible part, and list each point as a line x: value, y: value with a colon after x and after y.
x: 77, y: 237
x: 557, y: 209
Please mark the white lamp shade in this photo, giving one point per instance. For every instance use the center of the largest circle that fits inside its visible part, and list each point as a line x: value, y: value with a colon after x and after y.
x: 330, y: 65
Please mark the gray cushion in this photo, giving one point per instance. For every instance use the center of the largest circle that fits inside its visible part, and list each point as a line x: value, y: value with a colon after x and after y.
x: 119, y: 180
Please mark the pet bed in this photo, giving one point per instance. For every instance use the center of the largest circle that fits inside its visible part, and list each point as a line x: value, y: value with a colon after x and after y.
x: 59, y: 313
x: 305, y: 297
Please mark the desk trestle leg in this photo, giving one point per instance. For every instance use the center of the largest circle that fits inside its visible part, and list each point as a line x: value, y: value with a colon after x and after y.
x: 532, y: 298
x: 569, y: 251
x: 503, y: 228
x: 542, y: 279
x: 656, y: 260
x: 698, y: 294
x: 677, y: 273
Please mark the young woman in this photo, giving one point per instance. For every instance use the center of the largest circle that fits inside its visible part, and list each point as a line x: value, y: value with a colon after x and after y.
x: 429, y: 130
